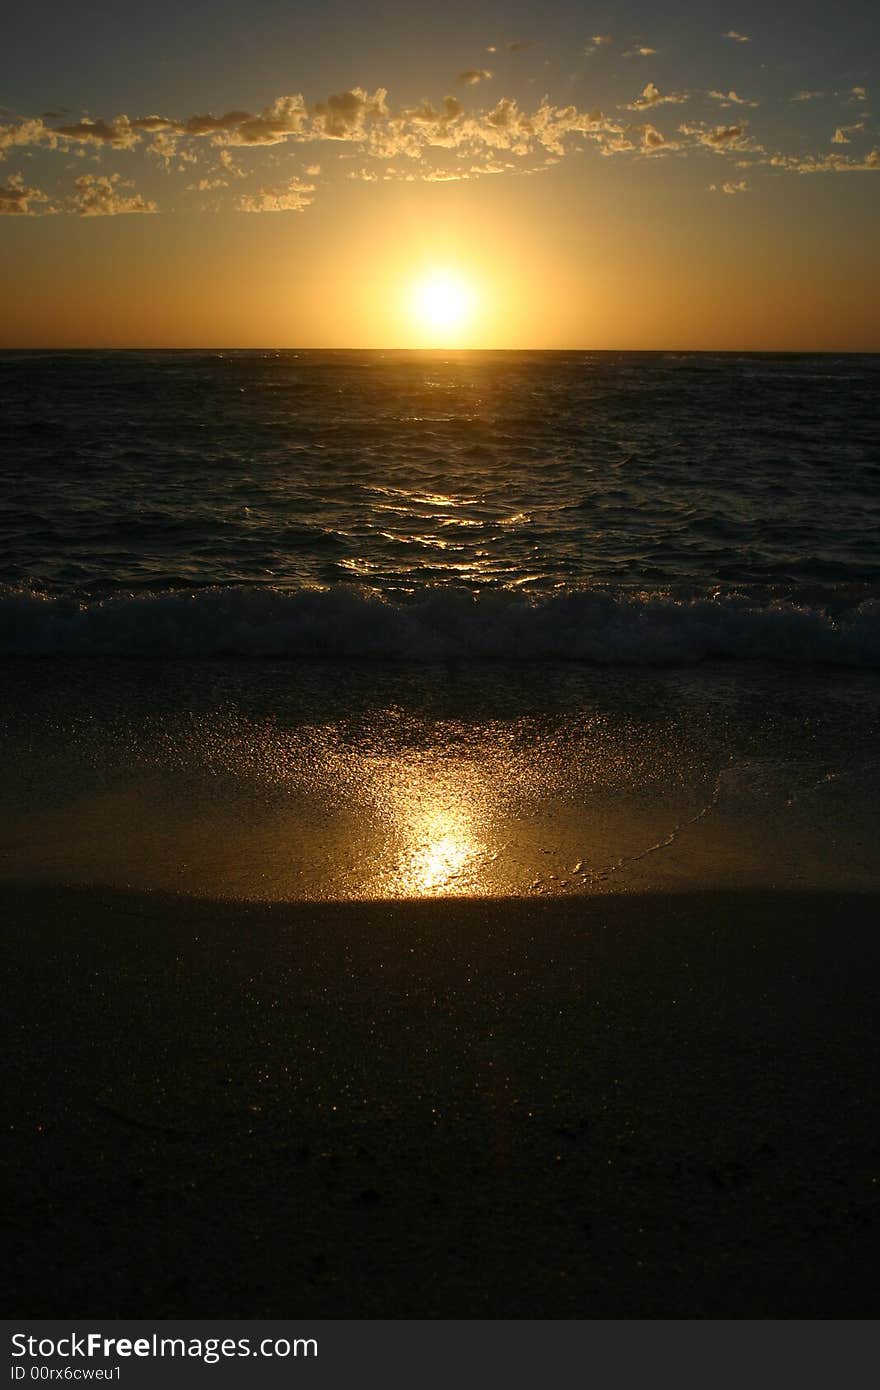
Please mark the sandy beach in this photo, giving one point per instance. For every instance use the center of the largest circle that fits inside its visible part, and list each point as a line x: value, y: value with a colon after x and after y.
x: 654, y: 1105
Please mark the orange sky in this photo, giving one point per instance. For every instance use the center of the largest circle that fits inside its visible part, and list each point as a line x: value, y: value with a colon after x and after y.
x: 665, y: 190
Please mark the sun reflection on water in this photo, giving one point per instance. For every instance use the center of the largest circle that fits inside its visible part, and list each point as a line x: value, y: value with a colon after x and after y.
x: 438, y: 858
x: 436, y: 829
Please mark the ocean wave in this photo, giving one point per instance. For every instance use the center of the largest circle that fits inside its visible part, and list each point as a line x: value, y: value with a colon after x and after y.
x: 449, y: 624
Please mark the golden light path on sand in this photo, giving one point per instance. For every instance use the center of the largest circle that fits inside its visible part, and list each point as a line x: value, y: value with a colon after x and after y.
x: 439, y: 833
x: 335, y: 811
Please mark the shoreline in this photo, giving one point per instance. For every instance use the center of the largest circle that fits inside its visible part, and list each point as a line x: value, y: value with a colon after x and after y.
x: 625, y: 1105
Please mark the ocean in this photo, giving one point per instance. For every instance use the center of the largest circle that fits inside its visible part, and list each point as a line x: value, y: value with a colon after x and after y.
x: 606, y: 507
x: 439, y: 808
x: 347, y: 624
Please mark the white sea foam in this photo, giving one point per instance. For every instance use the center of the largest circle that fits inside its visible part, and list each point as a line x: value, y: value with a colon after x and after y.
x: 437, y: 625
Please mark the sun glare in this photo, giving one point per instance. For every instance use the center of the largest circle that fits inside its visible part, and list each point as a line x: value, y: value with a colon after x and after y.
x: 442, y: 304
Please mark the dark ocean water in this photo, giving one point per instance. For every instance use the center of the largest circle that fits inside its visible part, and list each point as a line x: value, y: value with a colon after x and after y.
x: 617, y: 508
x: 544, y: 554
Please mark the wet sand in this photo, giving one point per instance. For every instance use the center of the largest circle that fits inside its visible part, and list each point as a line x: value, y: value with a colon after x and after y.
x: 639, y: 1105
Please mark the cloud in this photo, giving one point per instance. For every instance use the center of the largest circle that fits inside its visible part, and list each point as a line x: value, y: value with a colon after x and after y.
x: 519, y: 45
x: 153, y: 123
x: 104, y: 196
x: 843, y: 132
x: 654, y: 141
x: 719, y: 137
x: 505, y: 127
x: 450, y: 110
x: 356, y: 116
x: 226, y: 162
x: 396, y: 141
x: 444, y: 175
x: 164, y: 146
x: 741, y: 187
x: 24, y: 133
x: 285, y: 116
x: 617, y: 144
x: 737, y: 38
x: 449, y: 175
x: 413, y: 132
x: 807, y: 96
x: 340, y: 117
x: 652, y: 96
x: 490, y: 166
x: 598, y: 41
x: 434, y: 141
x: 292, y: 197
x: 16, y: 198
x: 211, y: 125
x: 827, y: 164
x: 723, y: 136
x: 120, y: 133
x: 409, y: 132
x: 344, y: 117
x: 640, y: 51
x: 731, y: 99
x: 471, y: 76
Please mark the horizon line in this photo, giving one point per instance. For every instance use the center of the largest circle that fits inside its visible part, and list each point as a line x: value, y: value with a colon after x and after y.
x: 299, y: 347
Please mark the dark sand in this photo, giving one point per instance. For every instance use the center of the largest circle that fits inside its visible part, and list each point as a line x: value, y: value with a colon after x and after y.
x: 647, y: 1105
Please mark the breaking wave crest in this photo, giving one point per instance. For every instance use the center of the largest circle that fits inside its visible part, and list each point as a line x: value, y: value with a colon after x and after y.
x: 441, y: 625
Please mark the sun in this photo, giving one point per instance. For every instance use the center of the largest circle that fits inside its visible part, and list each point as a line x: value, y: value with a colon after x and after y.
x: 442, y: 303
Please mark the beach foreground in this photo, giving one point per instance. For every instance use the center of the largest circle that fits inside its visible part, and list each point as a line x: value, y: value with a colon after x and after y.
x: 655, y: 1105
